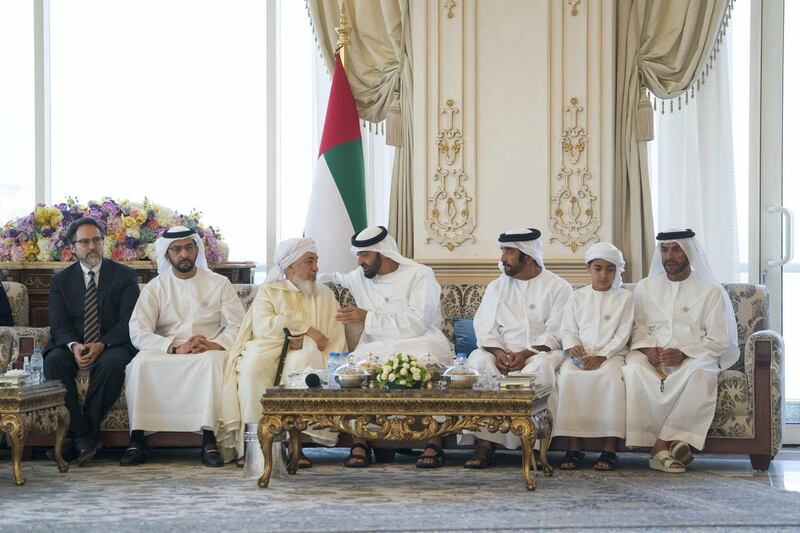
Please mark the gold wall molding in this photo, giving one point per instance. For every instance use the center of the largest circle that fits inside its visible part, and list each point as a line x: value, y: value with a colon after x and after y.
x: 449, y: 5
x: 573, y: 216
x: 485, y: 270
x: 450, y: 220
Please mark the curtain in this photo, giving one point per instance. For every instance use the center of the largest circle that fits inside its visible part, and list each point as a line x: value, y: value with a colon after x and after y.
x: 380, y: 73
x: 692, y: 166
x: 664, y: 46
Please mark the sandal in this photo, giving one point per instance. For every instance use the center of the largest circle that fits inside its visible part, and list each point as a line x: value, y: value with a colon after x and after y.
x: 355, y: 460
x: 606, y: 461
x: 664, y: 462
x: 211, y: 456
x: 303, y: 461
x: 572, y: 460
x: 481, y: 458
x: 681, y: 452
x: 436, y: 460
x: 240, y: 462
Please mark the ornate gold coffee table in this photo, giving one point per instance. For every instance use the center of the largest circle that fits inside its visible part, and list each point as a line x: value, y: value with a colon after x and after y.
x: 405, y: 414
x: 28, y: 408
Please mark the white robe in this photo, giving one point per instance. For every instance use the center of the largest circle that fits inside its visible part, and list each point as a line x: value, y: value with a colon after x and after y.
x: 253, y: 360
x: 591, y: 403
x: 688, y: 315
x: 168, y: 392
x: 403, y: 313
x: 514, y: 315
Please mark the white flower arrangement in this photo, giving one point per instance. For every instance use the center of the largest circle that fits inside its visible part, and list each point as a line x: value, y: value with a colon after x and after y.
x: 402, y: 370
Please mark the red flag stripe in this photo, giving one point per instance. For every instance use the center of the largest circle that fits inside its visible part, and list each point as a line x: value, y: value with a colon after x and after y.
x: 341, y: 118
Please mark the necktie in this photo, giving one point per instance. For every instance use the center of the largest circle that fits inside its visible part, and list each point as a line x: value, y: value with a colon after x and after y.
x: 91, y: 319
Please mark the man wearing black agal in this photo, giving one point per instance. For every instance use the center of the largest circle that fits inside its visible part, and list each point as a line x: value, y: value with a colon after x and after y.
x: 91, y: 303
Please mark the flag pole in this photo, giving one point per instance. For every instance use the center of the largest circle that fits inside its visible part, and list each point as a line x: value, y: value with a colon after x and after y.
x: 343, y: 30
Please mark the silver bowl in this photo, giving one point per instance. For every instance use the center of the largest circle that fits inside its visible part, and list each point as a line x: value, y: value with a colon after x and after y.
x: 351, y: 381
x: 461, y: 381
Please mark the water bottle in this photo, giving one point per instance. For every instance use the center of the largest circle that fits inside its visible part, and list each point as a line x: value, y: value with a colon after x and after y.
x: 37, y: 366
x: 26, y: 365
x: 334, y: 362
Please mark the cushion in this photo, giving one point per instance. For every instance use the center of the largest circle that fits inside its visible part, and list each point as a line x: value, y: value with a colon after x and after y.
x: 464, y: 335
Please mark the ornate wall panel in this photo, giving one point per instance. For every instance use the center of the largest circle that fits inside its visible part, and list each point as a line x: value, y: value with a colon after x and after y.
x: 575, y: 194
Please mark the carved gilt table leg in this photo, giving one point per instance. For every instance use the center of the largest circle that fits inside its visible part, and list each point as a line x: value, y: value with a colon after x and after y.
x: 62, y: 415
x: 522, y: 427
x: 14, y: 428
x: 543, y: 426
x: 295, y: 449
x: 268, y: 428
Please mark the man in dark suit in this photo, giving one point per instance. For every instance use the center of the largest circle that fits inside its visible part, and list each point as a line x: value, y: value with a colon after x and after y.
x: 6, y: 318
x: 91, y: 303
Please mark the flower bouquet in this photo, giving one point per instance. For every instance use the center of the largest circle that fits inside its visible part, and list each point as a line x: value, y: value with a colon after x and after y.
x: 402, y: 371
x: 131, y: 231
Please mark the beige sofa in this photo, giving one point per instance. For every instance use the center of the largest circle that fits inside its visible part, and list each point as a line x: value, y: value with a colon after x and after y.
x: 748, y: 420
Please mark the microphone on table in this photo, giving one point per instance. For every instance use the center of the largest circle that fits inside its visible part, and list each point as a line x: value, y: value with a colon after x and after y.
x: 313, y: 380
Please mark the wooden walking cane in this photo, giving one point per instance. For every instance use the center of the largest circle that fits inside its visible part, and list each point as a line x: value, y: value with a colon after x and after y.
x: 282, y: 359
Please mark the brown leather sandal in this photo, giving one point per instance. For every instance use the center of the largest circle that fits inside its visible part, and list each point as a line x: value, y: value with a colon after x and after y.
x: 355, y: 460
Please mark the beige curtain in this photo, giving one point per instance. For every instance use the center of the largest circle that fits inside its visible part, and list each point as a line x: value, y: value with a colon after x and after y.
x: 380, y: 73
x: 663, y: 46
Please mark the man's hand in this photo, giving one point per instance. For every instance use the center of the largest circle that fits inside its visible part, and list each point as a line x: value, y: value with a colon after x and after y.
x: 653, y: 355
x: 541, y: 348
x: 578, y: 351
x: 319, y: 338
x: 517, y: 360
x: 87, y: 354
x: 295, y: 342
x: 592, y: 362
x: 351, y: 315
x: 502, y: 359
x: 672, y: 356
x: 197, y: 344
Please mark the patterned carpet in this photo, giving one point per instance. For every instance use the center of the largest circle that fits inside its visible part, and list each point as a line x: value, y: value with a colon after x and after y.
x: 173, y: 492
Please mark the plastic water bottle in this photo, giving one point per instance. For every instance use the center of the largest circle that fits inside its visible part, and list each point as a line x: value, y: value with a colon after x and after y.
x: 37, y: 366
x: 334, y: 362
x: 26, y: 365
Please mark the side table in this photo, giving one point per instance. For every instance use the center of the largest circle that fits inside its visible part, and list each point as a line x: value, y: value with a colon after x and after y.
x: 28, y: 408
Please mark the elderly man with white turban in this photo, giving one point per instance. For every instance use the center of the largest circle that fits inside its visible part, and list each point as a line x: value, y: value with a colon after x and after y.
x: 290, y: 299
x: 595, y: 329
x: 684, y: 333
x: 184, y: 321
x: 397, y: 303
x: 517, y: 325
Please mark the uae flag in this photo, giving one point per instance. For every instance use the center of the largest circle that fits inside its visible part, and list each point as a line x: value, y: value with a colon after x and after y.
x: 338, y: 206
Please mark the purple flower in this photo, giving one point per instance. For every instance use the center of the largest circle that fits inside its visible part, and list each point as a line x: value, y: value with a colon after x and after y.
x: 131, y: 243
x: 46, y: 232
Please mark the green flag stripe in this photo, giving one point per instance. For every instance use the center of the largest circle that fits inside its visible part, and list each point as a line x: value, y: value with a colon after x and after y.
x: 346, y: 163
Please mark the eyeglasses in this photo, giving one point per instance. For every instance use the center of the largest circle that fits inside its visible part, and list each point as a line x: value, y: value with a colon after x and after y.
x: 85, y: 242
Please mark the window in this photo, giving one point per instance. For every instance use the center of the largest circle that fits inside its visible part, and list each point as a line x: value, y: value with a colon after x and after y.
x: 17, y: 136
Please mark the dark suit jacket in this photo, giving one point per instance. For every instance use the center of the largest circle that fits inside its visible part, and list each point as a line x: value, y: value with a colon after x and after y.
x: 117, y: 292
x: 6, y: 318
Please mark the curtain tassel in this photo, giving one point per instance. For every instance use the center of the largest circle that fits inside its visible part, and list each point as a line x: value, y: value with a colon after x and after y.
x: 644, y: 117
x: 393, y: 123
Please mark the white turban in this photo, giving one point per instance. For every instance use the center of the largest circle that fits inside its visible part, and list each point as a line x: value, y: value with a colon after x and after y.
x: 700, y: 267
x: 610, y: 253
x: 377, y: 239
x: 172, y: 235
x: 286, y: 254
x: 528, y: 243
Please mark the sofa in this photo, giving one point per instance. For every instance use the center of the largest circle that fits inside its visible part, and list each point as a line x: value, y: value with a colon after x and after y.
x: 748, y: 419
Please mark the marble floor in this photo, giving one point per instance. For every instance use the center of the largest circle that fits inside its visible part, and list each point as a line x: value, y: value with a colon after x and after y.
x: 783, y: 473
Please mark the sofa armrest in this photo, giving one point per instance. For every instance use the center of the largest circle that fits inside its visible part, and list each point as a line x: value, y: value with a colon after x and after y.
x: 763, y: 366
x: 10, y: 338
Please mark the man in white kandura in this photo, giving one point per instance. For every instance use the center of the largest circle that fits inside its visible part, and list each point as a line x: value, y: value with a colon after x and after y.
x: 595, y: 329
x: 184, y: 321
x: 684, y: 333
x: 290, y: 299
x: 397, y: 303
x: 517, y: 326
